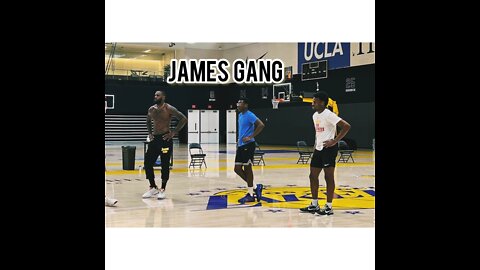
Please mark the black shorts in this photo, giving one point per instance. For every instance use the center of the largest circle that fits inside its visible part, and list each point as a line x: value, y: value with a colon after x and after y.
x: 325, y: 158
x: 245, y: 154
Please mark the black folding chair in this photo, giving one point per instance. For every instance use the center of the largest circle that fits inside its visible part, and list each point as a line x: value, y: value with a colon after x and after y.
x: 345, y: 152
x: 197, y: 157
x: 304, y: 151
x: 258, y: 155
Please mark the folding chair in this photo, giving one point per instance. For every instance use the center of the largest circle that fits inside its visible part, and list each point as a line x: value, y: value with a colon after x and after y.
x: 345, y: 152
x: 258, y: 155
x: 304, y: 151
x: 196, y: 155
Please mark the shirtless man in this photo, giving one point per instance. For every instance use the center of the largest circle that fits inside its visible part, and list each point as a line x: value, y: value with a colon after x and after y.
x: 160, y: 142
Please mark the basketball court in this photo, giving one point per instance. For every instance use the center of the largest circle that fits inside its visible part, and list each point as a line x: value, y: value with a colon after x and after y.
x: 204, y: 191
x: 208, y: 197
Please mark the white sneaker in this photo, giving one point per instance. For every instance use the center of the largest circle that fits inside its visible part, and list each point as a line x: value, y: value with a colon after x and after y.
x: 161, y: 195
x: 110, y: 202
x: 150, y: 193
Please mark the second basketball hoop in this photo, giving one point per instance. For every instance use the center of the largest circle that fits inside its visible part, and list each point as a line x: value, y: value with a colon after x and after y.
x: 275, y: 103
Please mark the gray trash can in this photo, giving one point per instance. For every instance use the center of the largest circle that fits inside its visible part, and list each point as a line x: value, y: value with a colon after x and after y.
x: 128, y: 157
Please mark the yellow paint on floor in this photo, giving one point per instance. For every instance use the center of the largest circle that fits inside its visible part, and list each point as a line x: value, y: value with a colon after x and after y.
x: 345, y: 198
x: 215, y: 169
x: 185, y: 161
x: 190, y: 190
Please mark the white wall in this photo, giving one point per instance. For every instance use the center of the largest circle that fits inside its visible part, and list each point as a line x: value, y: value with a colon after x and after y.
x: 287, y: 52
x: 202, y: 54
x: 180, y: 54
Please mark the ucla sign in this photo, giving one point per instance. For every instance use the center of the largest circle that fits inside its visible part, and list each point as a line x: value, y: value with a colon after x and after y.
x: 337, y: 54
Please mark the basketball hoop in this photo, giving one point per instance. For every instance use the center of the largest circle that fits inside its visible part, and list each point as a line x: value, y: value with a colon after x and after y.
x: 275, y: 103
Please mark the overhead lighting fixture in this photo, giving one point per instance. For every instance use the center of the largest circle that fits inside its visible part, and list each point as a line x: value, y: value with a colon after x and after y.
x: 147, y: 51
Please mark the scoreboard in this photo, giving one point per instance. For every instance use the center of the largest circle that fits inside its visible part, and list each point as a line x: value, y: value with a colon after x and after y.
x: 314, y: 70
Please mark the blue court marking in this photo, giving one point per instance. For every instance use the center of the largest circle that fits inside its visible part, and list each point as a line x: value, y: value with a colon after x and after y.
x: 290, y: 198
x: 268, y: 200
x: 274, y: 210
x: 369, y: 191
x: 217, y: 202
x: 353, y: 212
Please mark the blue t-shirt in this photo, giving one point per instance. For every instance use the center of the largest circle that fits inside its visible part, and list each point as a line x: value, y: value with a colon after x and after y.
x: 246, y: 126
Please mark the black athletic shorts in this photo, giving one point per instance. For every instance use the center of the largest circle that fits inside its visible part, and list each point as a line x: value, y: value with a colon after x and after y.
x: 245, y: 154
x: 325, y: 158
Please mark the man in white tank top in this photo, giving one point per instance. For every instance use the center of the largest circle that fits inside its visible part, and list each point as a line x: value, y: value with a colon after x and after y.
x: 326, y: 149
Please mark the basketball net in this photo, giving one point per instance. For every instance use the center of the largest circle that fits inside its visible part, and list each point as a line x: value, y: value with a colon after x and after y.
x: 275, y: 103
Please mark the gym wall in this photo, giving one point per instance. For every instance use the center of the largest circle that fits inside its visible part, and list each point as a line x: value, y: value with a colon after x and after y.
x: 357, y: 108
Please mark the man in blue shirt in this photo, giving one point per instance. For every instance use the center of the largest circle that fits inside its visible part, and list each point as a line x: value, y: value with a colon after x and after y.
x: 249, y: 126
